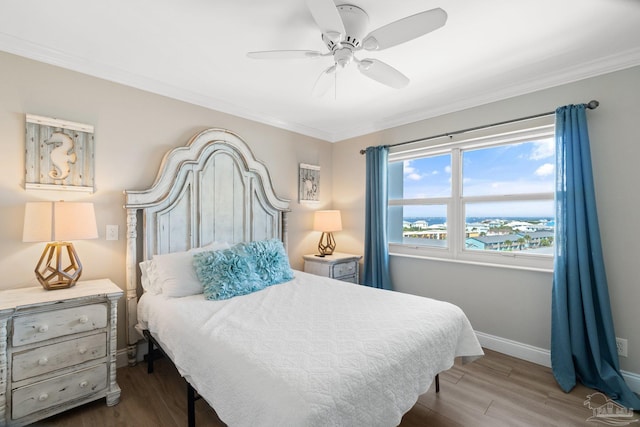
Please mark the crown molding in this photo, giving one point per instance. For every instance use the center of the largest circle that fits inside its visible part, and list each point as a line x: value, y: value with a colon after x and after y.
x: 574, y: 73
x: 24, y: 48
x: 62, y: 59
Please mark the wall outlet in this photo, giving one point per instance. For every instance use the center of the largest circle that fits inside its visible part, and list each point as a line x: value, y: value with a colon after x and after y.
x: 622, y: 344
x: 112, y: 232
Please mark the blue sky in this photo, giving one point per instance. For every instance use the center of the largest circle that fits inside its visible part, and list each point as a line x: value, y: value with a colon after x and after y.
x: 509, y: 169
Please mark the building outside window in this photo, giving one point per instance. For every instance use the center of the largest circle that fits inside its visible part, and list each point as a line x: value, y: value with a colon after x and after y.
x: 485, y: 196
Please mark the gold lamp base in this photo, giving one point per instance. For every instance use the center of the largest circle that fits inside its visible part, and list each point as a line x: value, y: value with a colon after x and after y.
x: 50, y: 271
x: 326, y: 245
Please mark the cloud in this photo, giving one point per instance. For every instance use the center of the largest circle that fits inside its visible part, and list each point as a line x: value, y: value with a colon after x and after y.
x: 414, y: 174
x: 410, y: 172
x: 543, y: 149
x: 545, y: 170
x: 407, y: 168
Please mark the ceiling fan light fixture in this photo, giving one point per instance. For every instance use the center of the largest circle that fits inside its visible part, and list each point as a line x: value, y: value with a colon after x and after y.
x: 343, y: 56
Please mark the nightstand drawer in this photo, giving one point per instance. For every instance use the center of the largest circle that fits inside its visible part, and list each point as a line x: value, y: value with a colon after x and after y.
x: 57, y: 356
x: 350, y: 279
x: 339, y: 266
x: 57, y: 390
x: 344, y: 269
x: 57, y: 323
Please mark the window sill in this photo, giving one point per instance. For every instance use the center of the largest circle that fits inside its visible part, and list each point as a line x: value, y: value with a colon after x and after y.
x: 472, y: 262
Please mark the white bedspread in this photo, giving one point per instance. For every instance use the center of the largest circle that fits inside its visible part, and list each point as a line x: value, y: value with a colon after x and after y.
x: 311, y: 352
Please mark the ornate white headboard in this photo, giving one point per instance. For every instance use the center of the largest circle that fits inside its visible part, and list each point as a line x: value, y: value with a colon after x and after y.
x: 212, y: 189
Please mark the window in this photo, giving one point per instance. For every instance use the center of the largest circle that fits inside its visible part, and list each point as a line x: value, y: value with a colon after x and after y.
x: 487, y: 197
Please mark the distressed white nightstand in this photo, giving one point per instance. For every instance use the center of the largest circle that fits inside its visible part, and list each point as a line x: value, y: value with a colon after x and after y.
x: 339, y: 266
x: 57, y: 349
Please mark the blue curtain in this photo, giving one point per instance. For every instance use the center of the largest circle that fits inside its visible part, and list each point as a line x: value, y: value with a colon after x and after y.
x: 582, y: 336
x: 376, y: 252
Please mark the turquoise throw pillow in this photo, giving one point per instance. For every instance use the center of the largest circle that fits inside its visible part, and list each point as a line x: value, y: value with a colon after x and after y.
x: 270, y: 259
x: 226, y: 273
x: 242, y: 269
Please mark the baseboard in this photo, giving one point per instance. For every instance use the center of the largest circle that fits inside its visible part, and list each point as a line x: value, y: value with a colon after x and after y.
x: 121, y: 358
x: 517, y: 349
x: 537, y: 355
x: 633, y: 380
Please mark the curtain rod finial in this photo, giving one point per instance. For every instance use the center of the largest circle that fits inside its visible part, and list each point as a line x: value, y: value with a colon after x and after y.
x: 593, y: 104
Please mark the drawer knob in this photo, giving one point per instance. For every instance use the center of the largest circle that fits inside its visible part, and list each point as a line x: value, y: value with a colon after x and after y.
x: 43, y: 361
x: 82, y: 350
x: 83, y: 319
x: 43, y: 328
x: 83, y: 384
x: 43, y: 397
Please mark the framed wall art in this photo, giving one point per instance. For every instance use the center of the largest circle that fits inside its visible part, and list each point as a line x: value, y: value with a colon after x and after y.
x: 59, y: 155
x: 309, y: 184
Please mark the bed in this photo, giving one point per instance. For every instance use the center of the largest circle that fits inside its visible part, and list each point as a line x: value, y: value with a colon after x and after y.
x: 306, y: 351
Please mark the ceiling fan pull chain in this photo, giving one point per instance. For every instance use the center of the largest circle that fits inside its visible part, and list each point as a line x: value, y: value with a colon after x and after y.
x: 335, y: 84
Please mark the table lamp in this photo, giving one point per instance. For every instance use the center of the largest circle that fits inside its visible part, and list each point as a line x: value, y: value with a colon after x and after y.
x: 58, y: 223
x: 327, y: 222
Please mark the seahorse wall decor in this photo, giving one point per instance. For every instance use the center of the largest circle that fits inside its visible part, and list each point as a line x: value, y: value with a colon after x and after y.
x: 61, y: 155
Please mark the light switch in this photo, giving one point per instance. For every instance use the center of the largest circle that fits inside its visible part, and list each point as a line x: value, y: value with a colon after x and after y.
x: 112, y: 232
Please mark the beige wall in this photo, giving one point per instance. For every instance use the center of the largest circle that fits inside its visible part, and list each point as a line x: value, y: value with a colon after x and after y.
x: 133, y: 130
x: 515, y: 304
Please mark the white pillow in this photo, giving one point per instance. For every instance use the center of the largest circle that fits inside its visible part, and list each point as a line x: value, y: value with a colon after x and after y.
x: 148, y: 279
x: 175, y: 274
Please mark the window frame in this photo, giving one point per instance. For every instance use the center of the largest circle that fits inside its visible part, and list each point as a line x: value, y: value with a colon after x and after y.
x: 523, y: 131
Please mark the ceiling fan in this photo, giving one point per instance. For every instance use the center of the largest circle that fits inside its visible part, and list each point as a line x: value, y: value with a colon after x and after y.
x: 343, y: 30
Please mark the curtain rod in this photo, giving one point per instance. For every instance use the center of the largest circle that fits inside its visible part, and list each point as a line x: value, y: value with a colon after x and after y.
x: 592, y: 105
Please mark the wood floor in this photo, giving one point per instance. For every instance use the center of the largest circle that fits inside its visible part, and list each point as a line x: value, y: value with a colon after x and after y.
x: 496, y: 390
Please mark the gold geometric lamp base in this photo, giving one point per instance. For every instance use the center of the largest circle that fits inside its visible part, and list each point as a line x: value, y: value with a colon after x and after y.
x: 59, y: 266
x: 326, y: 245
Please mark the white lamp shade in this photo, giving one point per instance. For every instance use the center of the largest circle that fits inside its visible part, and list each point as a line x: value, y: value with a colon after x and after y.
x: 327, y: 221
x: 59, y: 221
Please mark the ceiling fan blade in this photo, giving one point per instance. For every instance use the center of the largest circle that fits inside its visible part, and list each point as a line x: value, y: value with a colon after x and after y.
x: 383, y: 73
x: 324, y: 82
x: 284, y: 54
x: 405, y: 29
x: 326, y: 15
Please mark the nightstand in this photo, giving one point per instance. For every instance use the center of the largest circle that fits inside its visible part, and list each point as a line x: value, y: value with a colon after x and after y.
x: 57, y: 349
x: 339, y: 266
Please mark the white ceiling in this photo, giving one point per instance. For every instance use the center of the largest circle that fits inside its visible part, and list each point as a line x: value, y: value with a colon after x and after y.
x: 195, y: 51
